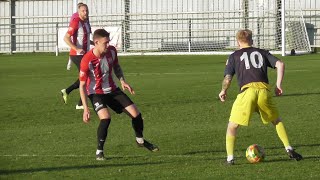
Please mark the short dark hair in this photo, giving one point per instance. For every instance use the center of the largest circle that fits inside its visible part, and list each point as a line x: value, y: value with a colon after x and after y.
x: 99, y: 33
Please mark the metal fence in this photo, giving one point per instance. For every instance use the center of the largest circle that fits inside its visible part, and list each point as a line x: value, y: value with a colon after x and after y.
x: 146, y: 25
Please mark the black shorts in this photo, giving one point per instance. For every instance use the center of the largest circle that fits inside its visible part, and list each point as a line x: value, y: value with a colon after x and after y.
x: 76, y: 59
x: 116, y: 100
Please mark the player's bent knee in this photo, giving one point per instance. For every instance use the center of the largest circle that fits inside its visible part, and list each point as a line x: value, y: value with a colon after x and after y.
x: 275, y: 122
x: 232, y: 125
x: 103, y: 114
x: 132, y: 110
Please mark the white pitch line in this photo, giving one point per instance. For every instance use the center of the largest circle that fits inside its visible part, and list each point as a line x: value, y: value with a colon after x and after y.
x: 170, y: 73
x: 111, y: 156
x: 146, y: 74
x: 130, y: 74
x: 132, y: 156
x: 298, y: 70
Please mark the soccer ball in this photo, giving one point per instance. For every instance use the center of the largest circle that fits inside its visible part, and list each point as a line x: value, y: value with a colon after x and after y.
x: 255, y: 153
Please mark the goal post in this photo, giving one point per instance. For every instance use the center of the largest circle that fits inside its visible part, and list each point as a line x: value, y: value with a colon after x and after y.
x: 204, y: 27
x: 295, y: 38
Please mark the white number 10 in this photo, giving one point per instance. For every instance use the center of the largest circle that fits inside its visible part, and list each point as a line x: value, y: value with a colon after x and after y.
x: 253, y: 56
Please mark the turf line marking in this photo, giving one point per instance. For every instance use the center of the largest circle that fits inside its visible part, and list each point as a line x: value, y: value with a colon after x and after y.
x: 129, y: 156
x: 110, y: 156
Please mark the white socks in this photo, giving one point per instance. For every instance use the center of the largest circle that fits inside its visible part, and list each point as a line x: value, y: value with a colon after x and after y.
x: 289, y: 148
x: 139, y: 140
x: 98, y: 151
x: 230, y: 157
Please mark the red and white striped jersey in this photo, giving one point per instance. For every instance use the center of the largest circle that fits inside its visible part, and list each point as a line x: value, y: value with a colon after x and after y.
x: 80, y: 34
x: 98, y: 72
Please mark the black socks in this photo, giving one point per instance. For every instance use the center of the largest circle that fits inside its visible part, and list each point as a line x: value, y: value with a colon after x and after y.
x: 74, y: 86
x: 137, y: 124
x: 102, y: 132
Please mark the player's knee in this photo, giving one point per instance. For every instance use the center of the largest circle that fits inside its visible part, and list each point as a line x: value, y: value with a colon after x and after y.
x: 132, y: 111
x: 232, y: 126
x: 275, y: 122
x: 103, y: 113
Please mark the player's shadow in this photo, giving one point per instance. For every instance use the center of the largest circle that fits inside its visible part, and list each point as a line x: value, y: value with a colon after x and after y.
x: 296, y: 146
x: 271, y: 157
x: 65, y: 168
x: 300, y: 94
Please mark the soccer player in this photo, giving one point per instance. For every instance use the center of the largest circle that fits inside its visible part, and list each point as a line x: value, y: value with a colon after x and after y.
x: 78, y: 38
x: 76, y: 15
x: 250, y: 65
x: 96, y: 82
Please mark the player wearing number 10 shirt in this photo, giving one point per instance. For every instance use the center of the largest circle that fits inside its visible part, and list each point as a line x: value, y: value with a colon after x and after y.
x: 250, y: 65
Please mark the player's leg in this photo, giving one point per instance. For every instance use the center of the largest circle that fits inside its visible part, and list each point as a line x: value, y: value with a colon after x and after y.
x: 76, y: 60
x: 102, y: 131
x: 230, y: 141
x: 122, y: 103
x: 69, y: 64
x: 98, y: 102
x: 137, y: 121
x: 137, y: 124
x: 241, y: 111
x: 269, y: 113
x: 65, y: 92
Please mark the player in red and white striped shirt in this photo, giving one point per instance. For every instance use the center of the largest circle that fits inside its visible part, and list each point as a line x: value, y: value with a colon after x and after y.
x: 75, y: 15
x: 96, y: 81
x: 78, y: 38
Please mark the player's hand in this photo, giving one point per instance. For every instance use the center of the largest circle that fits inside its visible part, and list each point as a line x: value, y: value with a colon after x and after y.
x: 222, y: 96
x: 278, y: 91
x: 80, y: 51
x: 86, y: 115
x: 125, y: 86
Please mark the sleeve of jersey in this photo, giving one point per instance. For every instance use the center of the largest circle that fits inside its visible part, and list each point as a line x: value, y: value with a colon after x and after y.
x: 72, y: 27
x: 84, y: 69
x: 272, y: 59
x: 116, y: 56
x: 89, y: 27
x: 230, y: 69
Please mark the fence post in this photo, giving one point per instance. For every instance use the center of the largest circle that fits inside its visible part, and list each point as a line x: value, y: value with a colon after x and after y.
x: 283, y: 29
x: 57, y: 39
x: 13, y: 41
x: 190, y: 35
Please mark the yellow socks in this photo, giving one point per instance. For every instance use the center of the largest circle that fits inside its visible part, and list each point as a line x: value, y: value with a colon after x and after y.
x: 230, y: 140
x: 282, y: 134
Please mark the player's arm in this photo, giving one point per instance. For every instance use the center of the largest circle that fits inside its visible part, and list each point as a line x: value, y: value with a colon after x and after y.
x: 280, y: 74
x: 225, y: 86
x: 67, y: 37
x: 83, y: 76
x: 274, y: 62
x: 86, y: 112
x: 119, y: 73
x: 228, y: 74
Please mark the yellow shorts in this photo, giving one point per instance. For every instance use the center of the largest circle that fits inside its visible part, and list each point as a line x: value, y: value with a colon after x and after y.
x: 253, y: 100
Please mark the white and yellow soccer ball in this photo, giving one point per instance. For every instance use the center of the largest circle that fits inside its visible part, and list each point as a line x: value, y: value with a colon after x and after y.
x: 255, y: 153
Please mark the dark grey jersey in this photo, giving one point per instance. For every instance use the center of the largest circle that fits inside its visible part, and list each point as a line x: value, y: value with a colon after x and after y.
x: 250, y: 65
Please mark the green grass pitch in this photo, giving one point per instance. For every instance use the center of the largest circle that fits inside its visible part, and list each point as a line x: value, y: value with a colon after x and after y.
x: 41, y: 138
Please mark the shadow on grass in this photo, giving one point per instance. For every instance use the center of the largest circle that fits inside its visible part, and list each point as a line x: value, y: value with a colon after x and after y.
x: 295, y: 146
x: 300, y: 94
x: 287, y: 159
x: 210, y: 152
x: 65, y: 168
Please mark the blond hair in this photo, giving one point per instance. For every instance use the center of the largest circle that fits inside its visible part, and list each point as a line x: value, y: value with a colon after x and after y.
x: 80, y: 4
x: 245, y: 36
